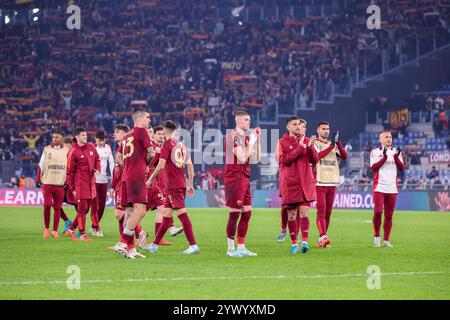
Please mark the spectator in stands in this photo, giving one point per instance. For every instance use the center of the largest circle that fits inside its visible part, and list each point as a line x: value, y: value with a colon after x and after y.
x: 198, y: 180
x: 437, y: 184
x: 410, y: 183
x: 430, y: 104
x: 3, y: 144
x: 433, y: 173
x: 6, y: 154
x: 204, y: 183
x: 13, y: 183
x: 217, y: 182
x: 364, y: 182
x: 211, y: 181
x: 21, y: 181
x: 406, y: 160
x: 439, y: 104
x: 348, y: 148
x: 423, y: 183
x: 355, y: 184
x: 415, y: 158
x: 31, y: 141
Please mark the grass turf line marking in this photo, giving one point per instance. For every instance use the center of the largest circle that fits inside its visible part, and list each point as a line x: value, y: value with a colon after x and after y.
x: 312, y: 276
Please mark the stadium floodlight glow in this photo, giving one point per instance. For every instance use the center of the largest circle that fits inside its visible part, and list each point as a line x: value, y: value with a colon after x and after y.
x: 15, y: 13
x: 35, y: 10
x: 7, y: 19
x: 35, y: 19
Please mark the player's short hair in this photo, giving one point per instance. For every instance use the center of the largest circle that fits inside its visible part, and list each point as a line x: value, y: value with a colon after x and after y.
x: 68, y: 139
x: 101, y: 135
x: 123, y: 127
x: 292, y: 119
x: 138, y: 113
x: 77, y: 131
x: 170, y: 125
x: 323, y: 123
x: 158, y: 128
x: 383, y: 131
x: 241, y: 113
x: 303, y: 121
x: 57, y: 131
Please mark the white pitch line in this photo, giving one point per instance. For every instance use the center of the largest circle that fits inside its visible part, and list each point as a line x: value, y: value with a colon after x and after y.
x: 312, y: 276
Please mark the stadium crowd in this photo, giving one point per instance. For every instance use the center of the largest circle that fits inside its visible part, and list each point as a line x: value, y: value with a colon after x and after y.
x: 186, y: 63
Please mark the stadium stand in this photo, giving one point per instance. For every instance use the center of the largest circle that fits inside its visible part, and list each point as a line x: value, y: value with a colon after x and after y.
x: 198, y: 61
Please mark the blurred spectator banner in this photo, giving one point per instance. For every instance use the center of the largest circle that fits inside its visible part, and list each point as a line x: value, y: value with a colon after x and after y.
x: 439, y: 157
x: 399, y: 118
x: 231, y: 65
x: 417, y: 201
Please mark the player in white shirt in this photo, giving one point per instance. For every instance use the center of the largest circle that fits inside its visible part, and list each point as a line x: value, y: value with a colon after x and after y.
x: 385, y: 162
x: 101, y: 182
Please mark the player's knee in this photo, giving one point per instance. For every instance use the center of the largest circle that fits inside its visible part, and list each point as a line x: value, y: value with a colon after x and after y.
x: 377, y: 212
x: 292, y: 214
x: 119, y: 214
x: 303, y: 213
x: 180, y: 211
x: 167, y: 213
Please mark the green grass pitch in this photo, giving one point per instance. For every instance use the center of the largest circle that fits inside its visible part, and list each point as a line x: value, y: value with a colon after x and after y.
x: 417, y: 268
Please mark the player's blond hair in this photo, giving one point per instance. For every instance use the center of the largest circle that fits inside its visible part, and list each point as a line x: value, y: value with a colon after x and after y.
x: 241, y: 113
x: 138, y: 113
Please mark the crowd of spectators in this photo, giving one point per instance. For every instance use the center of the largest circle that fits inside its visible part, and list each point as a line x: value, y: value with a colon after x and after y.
x: 185, y: 62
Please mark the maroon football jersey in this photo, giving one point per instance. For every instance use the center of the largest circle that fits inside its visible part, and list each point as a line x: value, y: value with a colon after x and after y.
x: 134, y: 151
x: 176, y: 155
x: 232, y: 165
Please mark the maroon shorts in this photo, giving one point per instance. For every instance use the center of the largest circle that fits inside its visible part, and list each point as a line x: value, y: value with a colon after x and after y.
x: 237, y: 192
x: 53, y: 195
x: 175, y: 199
x: 155, y: 198
x: 295, y: 205
x: 133, y: 192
